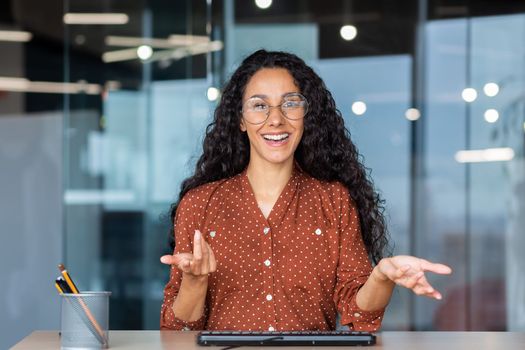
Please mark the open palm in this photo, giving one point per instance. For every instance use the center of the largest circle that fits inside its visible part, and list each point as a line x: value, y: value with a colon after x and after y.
x: 409, y: 272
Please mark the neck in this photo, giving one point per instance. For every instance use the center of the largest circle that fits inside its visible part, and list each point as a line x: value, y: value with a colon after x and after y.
x: 269, y: 179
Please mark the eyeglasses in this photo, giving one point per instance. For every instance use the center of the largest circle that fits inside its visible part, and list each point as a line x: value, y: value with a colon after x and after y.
x: 256, y: 110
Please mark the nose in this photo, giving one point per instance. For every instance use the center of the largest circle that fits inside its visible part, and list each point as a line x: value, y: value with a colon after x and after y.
x: 275, y: 116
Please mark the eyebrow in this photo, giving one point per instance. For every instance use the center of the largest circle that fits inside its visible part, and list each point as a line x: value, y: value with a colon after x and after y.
x: 266, y: 96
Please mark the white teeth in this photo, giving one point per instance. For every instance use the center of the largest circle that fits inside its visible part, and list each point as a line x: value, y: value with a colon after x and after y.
x: 276, y: 137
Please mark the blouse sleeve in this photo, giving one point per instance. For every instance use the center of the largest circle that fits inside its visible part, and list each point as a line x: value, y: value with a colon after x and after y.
x: 353, y: 270
x: 184, y: 229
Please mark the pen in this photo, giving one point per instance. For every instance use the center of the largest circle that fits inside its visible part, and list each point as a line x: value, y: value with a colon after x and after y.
x: 58, y: 288
x: 63, y: 285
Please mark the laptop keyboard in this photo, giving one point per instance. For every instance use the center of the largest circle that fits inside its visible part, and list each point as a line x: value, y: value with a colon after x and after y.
x: 283, y: 338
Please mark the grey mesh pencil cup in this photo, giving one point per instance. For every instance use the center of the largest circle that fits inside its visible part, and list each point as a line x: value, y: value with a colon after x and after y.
x: 85, y: 320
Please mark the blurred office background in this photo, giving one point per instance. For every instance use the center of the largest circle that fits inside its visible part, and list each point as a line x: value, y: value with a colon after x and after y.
x: 103, y: 105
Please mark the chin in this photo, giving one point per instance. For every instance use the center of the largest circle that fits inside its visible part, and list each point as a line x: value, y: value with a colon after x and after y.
x: 276, y: 157
x: 279, y: 160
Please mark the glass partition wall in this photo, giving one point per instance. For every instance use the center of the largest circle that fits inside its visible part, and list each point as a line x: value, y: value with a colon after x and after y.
x: 449, y: 165
x: 129, y: 144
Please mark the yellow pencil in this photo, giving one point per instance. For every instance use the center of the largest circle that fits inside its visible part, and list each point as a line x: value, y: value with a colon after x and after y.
x: 68, y: 279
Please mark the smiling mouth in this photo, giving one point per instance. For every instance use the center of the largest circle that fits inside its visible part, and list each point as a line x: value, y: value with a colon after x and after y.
x: 276, y: 138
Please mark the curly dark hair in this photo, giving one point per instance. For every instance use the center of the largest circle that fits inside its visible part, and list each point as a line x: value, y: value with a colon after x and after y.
x: 325, y: 151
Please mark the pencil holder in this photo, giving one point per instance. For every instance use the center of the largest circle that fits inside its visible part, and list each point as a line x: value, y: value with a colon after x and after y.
x: 84, y: 320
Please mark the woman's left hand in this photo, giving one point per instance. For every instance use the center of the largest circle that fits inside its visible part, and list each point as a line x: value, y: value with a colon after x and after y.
x: 409, y: 272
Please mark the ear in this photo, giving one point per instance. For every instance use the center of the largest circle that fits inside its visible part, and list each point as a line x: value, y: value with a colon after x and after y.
x: 242, y: 126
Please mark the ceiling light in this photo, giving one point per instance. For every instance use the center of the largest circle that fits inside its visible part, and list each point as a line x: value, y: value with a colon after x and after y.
x: 192, y: 50
x: 183, y: 39
x: 120, y: 55
x: 491, y: 115
x: 485, y: 155
x: 212, y: 93
x: 412, y: 114
x: 130, y: 41
x: 359, y: 108
x: 96, y: 18
x: 144, y: 52
x: 469, y: 94
x: 25, y: 85
x: 491, y: 89
x: 15, y: 35
x: 348, y: 32
x: 176, y: 53
x: 263, y: 4
x: 172, y: 41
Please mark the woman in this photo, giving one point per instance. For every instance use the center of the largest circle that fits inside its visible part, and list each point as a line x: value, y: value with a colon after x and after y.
x: 275, y: 229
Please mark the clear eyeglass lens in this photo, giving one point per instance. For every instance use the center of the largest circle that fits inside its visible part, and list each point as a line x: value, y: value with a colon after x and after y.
x: 256, y: 110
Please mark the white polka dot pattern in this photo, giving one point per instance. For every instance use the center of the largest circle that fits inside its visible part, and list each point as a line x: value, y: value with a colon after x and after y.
x: 294, y: 270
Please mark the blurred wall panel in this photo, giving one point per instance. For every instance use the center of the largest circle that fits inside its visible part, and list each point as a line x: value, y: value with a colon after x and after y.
x: 31, y: 220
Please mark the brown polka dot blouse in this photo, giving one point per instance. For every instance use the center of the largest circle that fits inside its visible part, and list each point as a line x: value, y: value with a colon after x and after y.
x: 294, y: 270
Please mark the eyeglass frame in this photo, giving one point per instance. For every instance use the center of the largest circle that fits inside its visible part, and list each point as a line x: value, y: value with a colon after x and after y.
x: 280, y: 108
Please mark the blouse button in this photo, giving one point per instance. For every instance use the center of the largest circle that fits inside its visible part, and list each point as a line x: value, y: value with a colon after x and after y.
x: 269, y: 297
x: 357, y: 314
x: 271, y: 329
x: 318, y: 232
x: 266, y: 230
x: 186, y: 328
x: 212, y: 234
x: 267, y: 262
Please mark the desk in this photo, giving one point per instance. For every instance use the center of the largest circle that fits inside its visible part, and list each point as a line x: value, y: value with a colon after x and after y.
x: 131, y: 340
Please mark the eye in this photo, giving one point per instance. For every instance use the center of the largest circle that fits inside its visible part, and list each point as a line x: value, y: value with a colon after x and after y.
x: 292, y: 104
x: 256, y: 105
x: 259, y: 106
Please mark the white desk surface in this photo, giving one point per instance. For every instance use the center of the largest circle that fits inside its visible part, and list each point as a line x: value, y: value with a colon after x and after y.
x: 131, y: 340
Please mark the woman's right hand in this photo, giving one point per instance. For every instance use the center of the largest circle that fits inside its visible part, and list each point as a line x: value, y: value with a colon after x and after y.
x: 197, y: 265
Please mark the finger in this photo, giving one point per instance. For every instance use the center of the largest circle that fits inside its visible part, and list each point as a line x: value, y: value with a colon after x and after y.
x: 422, y: 283
x: 185, y: 266
x: 437, y: 295
x: 413, y: 280
x: 424, y: 288
x: 197, y: 253
x: 213, y: 262
x: 431, y: 292
x: 441, y: 269
x: 181, y: 261
x: 197, y: 245
x: 420, y: 289
x: 167, y: 259
x: 205, y: 265
x: 174, y: 259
